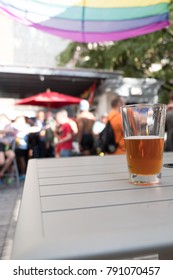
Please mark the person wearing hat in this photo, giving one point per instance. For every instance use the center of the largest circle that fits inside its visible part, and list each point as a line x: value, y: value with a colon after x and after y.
x: 85, y: 122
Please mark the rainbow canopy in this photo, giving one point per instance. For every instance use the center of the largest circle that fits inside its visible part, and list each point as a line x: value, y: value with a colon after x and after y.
x: 91, y: 20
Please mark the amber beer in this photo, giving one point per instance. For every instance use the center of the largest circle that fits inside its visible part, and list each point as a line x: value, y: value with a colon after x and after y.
x: 144, y: 154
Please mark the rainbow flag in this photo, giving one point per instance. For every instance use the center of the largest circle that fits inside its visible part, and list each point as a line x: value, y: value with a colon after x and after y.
x: 91, y: 20
x: 89, y: 93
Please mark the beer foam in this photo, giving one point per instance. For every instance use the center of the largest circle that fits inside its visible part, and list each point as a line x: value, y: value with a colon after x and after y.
x: 143, y: 137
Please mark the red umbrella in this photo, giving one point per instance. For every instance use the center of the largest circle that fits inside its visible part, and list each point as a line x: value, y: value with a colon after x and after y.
x: 49, y: 99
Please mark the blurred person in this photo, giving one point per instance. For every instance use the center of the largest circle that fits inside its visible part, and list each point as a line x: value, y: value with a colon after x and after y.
x: 169, y: 125
x: 50, y: 124
x: 99, y: 125
x: 73, y: 124
x: 7, y: 136
x: 29, y: 120
x: 38, y: 140
x: 63, y: 135
x: 170, y: 103
x: 40, y: 119
x: 116, y: 122
x: 22, y: 147
x: 85, y: 122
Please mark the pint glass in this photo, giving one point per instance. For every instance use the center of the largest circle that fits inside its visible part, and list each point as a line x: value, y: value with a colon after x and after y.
x: 144, y: 128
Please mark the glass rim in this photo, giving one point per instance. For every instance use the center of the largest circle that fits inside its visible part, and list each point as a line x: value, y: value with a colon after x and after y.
x: 144, y: 105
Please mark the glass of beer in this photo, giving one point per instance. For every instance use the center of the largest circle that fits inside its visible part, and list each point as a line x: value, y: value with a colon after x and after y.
x: 144, y: 128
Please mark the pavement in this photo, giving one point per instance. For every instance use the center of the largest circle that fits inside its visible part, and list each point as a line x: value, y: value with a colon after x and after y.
x: 10, y: 198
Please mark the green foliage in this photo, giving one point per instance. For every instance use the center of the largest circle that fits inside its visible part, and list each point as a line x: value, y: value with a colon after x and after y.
x: 66, y: 55
x: 132, y: 56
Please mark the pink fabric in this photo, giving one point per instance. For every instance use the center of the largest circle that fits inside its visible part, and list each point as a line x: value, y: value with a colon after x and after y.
x: 98, y: 37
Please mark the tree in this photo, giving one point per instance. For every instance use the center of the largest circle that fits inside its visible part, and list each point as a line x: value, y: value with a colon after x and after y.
x: 136, y: 57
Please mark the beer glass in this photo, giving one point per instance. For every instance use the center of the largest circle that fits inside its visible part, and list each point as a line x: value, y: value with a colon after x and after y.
x: 144, y: 128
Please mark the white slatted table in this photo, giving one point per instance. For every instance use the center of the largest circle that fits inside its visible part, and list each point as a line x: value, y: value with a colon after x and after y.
x: 85, y: 208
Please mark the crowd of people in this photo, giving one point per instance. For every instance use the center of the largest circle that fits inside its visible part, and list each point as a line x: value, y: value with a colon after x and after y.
x: 58, y: 135
x: 54, y: 135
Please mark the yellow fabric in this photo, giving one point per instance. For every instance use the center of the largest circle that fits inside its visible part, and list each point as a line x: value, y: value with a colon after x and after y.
x: 116, y: 122
x: 108, y: 3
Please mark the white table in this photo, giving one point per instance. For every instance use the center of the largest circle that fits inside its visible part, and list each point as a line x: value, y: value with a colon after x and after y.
x: 85, y: 208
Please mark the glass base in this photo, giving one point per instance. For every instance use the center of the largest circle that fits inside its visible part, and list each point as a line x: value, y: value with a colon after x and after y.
x: 145, y: 179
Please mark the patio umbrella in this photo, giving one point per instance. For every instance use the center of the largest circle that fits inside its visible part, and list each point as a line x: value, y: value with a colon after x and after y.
x: 49, y: 99
x: 91, y: 21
